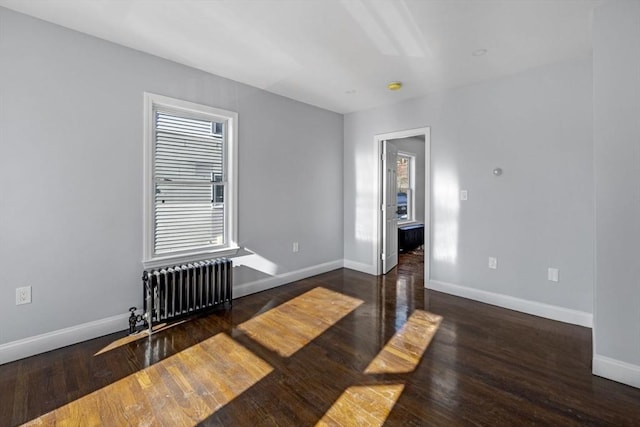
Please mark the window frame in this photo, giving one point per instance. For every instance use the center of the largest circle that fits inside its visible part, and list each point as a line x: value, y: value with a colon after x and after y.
x: 411, y: 212
x: 230, y: 119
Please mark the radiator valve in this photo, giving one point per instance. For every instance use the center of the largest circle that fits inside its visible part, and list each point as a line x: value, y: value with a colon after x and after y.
x: 134, y: 320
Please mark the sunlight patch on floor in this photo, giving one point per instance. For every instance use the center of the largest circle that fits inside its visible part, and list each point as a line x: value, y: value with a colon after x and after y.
x: 368, y: 405
x: 184, y: 389
x: 404, y: 350
x: 137, y: 336
x: 292, y: 325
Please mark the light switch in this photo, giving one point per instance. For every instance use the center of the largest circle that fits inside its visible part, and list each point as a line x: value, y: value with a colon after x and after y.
x: 464, y: 195
x: 493, y: 263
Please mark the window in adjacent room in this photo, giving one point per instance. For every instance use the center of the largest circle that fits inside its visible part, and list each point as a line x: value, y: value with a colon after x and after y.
x: 190, y: 153
x: 405, y: 178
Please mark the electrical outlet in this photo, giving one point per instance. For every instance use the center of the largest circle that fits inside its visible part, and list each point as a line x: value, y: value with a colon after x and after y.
x: 493, y: 263
x: 295, y: 247
x: 23, y: 295
x: 553, y: 274
x: 464, y: 195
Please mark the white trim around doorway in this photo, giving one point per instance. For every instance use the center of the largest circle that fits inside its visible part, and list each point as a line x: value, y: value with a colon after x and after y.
x: 377, y: 225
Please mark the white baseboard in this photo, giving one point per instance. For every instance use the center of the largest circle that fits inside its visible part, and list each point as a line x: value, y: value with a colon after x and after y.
x: 361, y: 267
x: 616, y: 370
x: 548, y: 311
x: 62, y: 337
x: 283, y: 279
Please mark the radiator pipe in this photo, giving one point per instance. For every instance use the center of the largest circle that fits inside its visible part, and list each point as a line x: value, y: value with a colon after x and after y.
x: 147, y: 316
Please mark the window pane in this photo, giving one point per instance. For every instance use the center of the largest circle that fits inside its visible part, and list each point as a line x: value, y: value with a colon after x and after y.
x: 218, y: 194
x: 189, y: 208
x: 186, y: 218
x: 187, y: 149
x: 403, y: 176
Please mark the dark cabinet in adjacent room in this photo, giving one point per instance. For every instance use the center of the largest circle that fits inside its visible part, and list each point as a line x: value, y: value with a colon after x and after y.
x: 410, y: 237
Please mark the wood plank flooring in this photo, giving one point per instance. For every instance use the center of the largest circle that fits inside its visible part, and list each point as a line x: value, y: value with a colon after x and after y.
x: 183, y: 389
x: 362, y: 406
x: 295, y: 323
x: 405, y: 349
x: 394, y: 354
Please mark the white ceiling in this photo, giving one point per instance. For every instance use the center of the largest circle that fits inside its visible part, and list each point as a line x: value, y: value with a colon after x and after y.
x: 338, y: 54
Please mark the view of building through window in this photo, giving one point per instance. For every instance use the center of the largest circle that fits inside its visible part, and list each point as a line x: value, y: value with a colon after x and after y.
x: 404, y: 188
x: 189, y: 185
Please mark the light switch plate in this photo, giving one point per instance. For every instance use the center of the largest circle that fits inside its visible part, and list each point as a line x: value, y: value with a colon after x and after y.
x: 493, y: 263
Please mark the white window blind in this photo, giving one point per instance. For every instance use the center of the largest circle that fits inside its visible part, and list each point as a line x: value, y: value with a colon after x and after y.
x: 189, y: 178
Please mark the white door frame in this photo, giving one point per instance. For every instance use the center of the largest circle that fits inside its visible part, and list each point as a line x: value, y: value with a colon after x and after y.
x: 428, y: 220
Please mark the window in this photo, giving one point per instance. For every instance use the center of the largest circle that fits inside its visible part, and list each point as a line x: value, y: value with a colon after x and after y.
x: 405, y: 178
x: 190, y: 192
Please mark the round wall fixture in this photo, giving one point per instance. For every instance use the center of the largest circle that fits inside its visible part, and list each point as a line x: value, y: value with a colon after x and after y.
x: 394, y: 86
x: 497, y: 171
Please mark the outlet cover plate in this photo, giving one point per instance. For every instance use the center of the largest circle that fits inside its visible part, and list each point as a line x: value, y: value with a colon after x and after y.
x: 23, y: 295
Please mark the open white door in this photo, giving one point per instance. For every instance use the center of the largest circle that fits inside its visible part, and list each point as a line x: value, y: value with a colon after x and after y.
x: 389, y: 206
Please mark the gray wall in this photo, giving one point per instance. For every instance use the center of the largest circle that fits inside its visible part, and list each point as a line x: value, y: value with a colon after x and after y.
x: 616, y: 74
x: 537, y: 126
x: 415, y: 146
x: 71, y: 119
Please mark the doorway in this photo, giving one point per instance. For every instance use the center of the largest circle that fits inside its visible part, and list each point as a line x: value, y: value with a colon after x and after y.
x: 409, y: 203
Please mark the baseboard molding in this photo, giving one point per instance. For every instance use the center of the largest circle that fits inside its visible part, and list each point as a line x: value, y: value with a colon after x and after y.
x: 548, y: 311
x: 283, y: 279
x: 26, y: 347
x: 616, y: 370
x: 361, y: 267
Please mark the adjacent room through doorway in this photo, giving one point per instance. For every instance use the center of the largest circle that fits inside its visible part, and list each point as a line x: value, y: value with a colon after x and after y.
x: 405, y: 202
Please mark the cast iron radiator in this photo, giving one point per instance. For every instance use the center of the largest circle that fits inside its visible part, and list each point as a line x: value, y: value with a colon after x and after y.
x: 183, y: 290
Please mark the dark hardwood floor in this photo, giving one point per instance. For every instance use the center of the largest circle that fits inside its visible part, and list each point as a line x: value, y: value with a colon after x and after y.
x: 484, y: 366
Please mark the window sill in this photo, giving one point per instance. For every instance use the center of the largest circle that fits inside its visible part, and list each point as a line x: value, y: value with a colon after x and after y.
x: 170, y: 260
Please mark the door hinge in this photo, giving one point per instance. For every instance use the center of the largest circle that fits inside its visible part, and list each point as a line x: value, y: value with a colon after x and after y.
x: 382, y: 256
